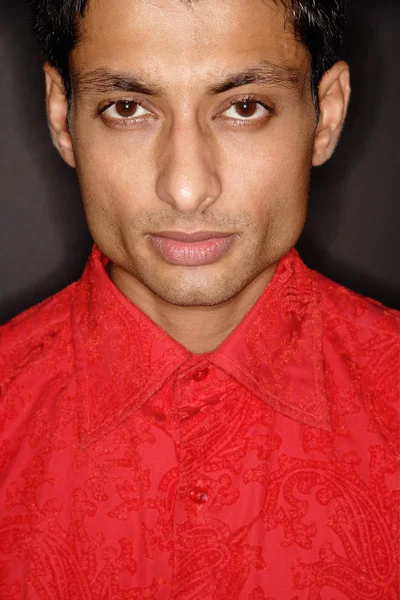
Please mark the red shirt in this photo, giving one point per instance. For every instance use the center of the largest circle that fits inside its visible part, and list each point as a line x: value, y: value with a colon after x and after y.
x: 132, y: 469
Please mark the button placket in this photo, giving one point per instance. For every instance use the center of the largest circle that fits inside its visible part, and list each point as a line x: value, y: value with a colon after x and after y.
x: 189, y: 391
x: 189, y: 388
x: 201, y: 374
x: 199, y: 495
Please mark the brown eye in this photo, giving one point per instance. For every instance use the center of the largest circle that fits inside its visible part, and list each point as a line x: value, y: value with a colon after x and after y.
x: 126, y: 108
x: 247, y: 108
x: 126, y: 111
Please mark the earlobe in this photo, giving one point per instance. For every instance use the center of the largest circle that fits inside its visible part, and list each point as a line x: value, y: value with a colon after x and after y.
x: 57, y: 114
x: 333, y: 97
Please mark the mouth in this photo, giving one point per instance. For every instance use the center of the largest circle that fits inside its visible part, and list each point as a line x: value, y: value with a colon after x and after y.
x: 192, y: 249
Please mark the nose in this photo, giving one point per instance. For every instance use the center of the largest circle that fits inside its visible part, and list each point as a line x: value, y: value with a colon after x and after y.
x: 188, y: 173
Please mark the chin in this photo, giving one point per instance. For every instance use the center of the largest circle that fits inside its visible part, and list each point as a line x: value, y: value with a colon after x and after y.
x: 193, y: 290
x: 200, y: 286
x: 187, y: 298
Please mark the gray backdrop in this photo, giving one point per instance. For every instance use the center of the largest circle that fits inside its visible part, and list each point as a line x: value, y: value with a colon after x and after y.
x: 352, y: 234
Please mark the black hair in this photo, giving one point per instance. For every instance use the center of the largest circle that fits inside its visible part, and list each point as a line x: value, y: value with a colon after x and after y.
x: 318, y: 24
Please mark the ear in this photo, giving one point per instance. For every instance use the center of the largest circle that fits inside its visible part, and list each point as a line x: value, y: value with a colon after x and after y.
x: 333, y: 98
x: 57, y: 114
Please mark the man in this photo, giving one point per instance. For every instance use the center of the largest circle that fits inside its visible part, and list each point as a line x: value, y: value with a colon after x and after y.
x: 200, y: 415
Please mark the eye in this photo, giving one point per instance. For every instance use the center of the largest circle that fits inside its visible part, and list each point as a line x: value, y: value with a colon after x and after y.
x: 246, y: 110
x: 125, y: 109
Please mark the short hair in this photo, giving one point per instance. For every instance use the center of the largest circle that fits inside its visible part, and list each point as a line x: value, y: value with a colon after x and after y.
x: 318, y: 24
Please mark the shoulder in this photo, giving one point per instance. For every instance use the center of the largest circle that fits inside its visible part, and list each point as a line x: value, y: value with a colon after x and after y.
x: 347, y: 313
x: 35, y: 341
x: 361, y: 347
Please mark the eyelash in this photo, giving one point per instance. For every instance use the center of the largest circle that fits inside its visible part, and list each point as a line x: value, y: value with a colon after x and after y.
x: 109, y: 104
x: 233, y: 102
x: 249, y: 98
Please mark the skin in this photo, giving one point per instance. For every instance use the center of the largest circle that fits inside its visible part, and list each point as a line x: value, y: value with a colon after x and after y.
x: 189, y: 160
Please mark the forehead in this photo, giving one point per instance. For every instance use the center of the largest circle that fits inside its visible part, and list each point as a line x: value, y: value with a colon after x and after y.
x: 173, y: 40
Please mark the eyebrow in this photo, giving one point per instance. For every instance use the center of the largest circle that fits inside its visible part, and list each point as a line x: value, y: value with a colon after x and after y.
x: 265, y: 72
x: 106, y: 81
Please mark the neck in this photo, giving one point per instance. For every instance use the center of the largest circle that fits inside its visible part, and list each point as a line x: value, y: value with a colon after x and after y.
x: 200, y: 329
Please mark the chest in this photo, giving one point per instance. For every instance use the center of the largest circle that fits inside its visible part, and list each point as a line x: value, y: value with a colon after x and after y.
x: 198, y: 495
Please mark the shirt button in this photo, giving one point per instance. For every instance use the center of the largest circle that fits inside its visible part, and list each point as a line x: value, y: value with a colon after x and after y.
x: 199, y: 495
x: 202, y: 374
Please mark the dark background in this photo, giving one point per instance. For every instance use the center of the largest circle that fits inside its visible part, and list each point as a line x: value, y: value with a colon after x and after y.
x: 352, y: 234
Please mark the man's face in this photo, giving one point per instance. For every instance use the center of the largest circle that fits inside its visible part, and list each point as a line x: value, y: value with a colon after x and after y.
x: 218, y: 137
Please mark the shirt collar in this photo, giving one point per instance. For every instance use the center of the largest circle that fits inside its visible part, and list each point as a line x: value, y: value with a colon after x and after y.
x: 123, y: 358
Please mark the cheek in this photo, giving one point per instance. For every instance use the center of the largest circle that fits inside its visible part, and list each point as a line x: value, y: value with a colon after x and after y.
x: 272, y: 185
x: 115, y: 174
x: 263, y: 174
x: 270, y: 175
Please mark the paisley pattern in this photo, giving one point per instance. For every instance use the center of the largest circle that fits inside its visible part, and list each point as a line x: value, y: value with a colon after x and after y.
x: 131, y: 469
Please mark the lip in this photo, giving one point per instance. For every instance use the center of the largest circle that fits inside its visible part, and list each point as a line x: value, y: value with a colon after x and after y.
x: 192, y: 249
x: 195, y: 236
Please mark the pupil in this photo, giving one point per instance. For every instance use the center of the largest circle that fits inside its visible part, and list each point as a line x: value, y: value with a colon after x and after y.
x: 126, y: 108
x: 247, y: 108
